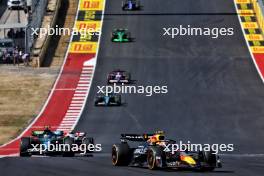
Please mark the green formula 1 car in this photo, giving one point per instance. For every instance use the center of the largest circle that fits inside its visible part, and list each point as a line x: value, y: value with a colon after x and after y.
x: 121, y: 35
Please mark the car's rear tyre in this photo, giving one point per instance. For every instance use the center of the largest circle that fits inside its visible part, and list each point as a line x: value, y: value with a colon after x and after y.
x: 69, y: 142
x: 128, y: 77
x: 210, y: 159
x: 121, y: 155
x: 25, y: 144
x: 152, y: 154
x: 112, y: 37
x: 96, y: 101
x: 123, y: 7
x: 118, y: 100
x: 138, y: 6
x: 128, y: 36
x: 87, y: 142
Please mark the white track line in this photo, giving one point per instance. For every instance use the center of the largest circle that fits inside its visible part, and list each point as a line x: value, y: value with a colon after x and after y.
x: 74, y: 108
x: 75, y: 105
x: 85, y: 78
x: 80, y: 102
x: 79, y: 95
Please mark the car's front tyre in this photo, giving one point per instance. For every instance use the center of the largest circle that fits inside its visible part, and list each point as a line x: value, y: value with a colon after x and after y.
x: 121, y: 155
x: 87, y: 142
x: 155, y: 158
x: 211, y: 160
x: 68, y: 141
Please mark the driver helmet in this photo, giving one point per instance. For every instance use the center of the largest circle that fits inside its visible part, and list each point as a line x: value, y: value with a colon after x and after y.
x: 118, y: 75
x: 157, y: 137
x: 47, y: 128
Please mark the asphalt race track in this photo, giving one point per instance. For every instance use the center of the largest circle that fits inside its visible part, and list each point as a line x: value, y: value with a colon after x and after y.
x: 215, y: 94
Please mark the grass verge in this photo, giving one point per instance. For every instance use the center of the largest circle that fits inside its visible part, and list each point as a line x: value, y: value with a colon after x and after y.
x: 23, y: 91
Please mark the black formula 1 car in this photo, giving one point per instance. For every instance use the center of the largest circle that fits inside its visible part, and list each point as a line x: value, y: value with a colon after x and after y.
x: 131, y: 5
x: 118, y: 76
x: 43, y: 143
x: 108, y: 100
x: 154, y: 156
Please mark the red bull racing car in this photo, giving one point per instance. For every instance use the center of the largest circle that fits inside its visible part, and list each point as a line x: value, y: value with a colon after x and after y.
x: 151, y: 152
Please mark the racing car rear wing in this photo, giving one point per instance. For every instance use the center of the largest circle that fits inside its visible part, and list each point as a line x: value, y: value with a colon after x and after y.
x: 36, y: 133
x: 135, y: 137
x: 39, y: 133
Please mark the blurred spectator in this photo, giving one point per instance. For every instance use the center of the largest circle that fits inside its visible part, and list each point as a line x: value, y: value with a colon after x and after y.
x: 25, y: 59
x: 20, y: 33
x: 16, y: 56
x: 11, y: 33
x: 8, y: 58
x: 4, y: 56
x: 20, y: 54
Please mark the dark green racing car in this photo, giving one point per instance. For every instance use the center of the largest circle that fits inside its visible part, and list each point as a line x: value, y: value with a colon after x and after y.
x: 121, y: 35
